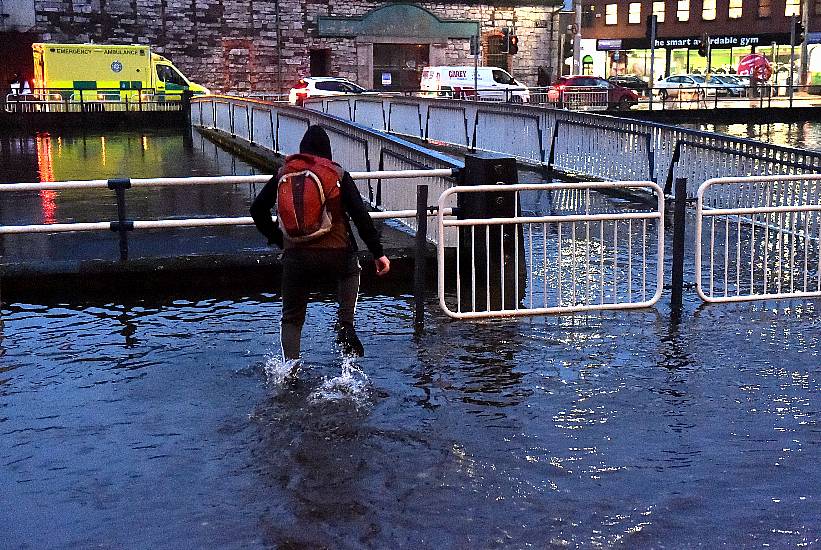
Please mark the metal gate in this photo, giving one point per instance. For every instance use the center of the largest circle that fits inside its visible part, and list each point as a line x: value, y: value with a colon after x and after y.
x: 762, y: 238
x: 568, y: 249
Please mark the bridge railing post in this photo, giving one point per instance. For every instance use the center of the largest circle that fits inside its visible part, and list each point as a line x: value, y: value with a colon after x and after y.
x: 679, y: 227
x: 122, y: 225
x: 420, y: 257
x: 492, y: 259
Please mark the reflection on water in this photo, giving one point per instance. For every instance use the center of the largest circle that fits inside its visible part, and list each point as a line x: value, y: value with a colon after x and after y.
x: 804, y: 135
x: 71, y: 156
x: 619, y: 428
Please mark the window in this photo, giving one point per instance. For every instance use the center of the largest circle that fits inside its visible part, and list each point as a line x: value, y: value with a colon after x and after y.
x: 817, y: 7
x: 683, y: 11
x: 501, y: 77
x: 735, y: 9
x: 634, y: 15
x: 708, y: 10
x: 793, y: 7
x: 168, y: 75
x: 330, y: 86
x: 763, y: 8
x: 658, y: 11
x: 611, y: 14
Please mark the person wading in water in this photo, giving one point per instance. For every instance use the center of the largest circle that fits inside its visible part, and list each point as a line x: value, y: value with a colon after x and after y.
x: 315, y: 201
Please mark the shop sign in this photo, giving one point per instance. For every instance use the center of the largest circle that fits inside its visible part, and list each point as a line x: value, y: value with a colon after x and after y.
x: 386, y: 79
x: 814, y: 38
x: 691, y: 42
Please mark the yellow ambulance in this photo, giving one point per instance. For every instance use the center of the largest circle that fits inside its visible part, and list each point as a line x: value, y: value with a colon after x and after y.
x: 110, y: 73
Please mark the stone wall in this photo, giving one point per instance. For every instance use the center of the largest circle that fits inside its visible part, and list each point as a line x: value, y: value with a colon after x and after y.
x: 232, y: 44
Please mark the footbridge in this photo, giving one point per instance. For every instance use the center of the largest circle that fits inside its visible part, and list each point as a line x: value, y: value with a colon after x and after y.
x: 533, y: 247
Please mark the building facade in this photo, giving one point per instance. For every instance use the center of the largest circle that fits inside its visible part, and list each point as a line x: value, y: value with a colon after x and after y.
x: 253, y: 45
x: 615, y: 41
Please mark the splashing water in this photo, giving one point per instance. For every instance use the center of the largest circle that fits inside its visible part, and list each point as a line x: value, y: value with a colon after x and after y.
x: 277, y: 371
x: 351, y: 384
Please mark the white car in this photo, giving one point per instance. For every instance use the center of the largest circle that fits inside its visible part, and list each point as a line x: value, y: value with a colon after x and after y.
x: 684, y: 86
x: 321, y: 86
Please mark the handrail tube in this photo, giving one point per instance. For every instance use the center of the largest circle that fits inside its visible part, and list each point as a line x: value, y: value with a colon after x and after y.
x: 212, y: 180
x: 549, y: 219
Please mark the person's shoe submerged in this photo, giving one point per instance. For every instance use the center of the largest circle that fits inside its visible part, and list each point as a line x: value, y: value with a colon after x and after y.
x: 349, y: 342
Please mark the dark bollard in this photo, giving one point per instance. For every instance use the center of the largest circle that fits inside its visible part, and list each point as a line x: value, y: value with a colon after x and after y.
x: 492, y: 260
x: 186, y: 104
x: 679, y: 221
x: 419, y: 272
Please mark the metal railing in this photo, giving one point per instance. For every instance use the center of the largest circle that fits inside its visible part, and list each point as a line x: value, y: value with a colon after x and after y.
x: 69, y: 100
x: 279, y: 129
x: 527, y: 133
x: 123, y: 224
x: 550, y: 264
x: 763, y: 238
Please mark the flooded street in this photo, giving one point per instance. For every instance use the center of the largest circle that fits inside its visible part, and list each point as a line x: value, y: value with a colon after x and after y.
x: 166, y: 421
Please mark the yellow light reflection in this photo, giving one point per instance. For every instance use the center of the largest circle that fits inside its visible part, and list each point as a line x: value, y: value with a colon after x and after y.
x: 102, y: 144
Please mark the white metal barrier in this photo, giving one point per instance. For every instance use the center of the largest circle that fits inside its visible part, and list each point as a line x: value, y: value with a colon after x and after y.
x: 553, y: 264
x: 763, y: 238
x: 192, y: 222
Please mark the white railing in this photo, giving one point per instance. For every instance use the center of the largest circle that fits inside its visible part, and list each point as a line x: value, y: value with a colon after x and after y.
x: 762, y: 241
x: 191, y: 222
x: 279, y: 128
x: 526, y: 132
x: 552, y: 264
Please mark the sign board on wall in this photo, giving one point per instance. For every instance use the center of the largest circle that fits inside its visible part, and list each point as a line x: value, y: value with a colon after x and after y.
x: 386, y: 79
x: 691, y: 42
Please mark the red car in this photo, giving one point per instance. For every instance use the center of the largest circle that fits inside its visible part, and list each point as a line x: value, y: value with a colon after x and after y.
x: 570, y: 90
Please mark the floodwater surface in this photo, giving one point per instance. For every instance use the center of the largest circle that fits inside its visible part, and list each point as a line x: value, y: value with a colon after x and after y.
x: 169, y: 422
x: 165, y: 423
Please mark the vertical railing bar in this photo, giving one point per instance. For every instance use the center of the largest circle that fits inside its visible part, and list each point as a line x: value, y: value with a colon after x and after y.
x: 615, y: 261
x: 559, y: 265
x: 573, y: 263
x: 473, y: 267
x: 544, y: 267
x: 487, y: 266
x: 643, y: 260
x: 752, y: 255
x: 712, y: 253
x: 458, y: 271
x: 601, y: 262
x: 726, y: 254
x: 630, y: 261
x: 529, y: 263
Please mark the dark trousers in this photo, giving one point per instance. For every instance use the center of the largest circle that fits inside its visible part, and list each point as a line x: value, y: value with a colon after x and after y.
x: 304, y: 270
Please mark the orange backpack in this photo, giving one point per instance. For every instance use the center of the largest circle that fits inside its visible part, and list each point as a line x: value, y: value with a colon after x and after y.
x: 305, y: 186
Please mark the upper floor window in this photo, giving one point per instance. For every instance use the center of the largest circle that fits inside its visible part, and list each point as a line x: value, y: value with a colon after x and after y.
x: 817, y: 7
x: 793, y: 7
x: 683, y: 11
x: 735, y: 9
x: 708, y: 10
x: 658, y: 11
x: 611, y: 14
x: 764, y: 9
x: 634, y: 15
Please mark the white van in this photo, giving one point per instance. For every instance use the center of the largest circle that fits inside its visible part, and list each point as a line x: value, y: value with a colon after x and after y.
x: 494, y: 84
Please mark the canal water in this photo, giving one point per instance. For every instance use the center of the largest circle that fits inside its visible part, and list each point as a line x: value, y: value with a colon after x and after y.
x: 165, y: 421
x: 805, y: 135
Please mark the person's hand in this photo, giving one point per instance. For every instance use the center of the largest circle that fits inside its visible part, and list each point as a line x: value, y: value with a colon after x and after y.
x: 383, y: 265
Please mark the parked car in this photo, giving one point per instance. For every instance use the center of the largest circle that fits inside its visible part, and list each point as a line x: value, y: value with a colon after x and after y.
x: 631, y: 82
x: 685, y: 86
x: 618, y: 97
x: 320, y: 86
x: 725, y: 86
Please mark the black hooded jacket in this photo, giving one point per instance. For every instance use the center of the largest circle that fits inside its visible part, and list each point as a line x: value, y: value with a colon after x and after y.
x: 316, y: 142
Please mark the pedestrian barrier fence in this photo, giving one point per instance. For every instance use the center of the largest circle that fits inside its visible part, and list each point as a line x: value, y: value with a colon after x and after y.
x: 62, y: 100
x: 528, y: 133
x: 758, y: 238
x: 549, y: 263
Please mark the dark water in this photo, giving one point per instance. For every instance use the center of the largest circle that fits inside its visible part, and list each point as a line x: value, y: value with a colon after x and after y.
x: 161, y: 422
x: 805, y: 135
x: 69, y: 156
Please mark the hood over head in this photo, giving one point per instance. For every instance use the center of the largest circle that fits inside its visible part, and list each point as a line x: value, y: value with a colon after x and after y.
x: 316, y: 142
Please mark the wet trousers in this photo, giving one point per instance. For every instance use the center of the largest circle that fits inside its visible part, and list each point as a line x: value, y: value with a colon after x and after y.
x: 304, y: 270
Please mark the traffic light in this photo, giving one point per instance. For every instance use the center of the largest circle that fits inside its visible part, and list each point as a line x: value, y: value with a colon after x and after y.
x: 703, y: 45
x: 505, y: 40
x: 799, y: 31
x: 513, y: 47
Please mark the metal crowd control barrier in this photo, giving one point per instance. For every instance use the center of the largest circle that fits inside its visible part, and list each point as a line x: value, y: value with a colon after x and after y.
x: 123, y: 225
x: 763, y: 238
x: 279, y: 129
x: 526, y: 133
x: 572, y: 262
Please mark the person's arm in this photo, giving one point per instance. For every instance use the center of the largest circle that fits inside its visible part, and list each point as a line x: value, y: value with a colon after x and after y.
x: 261, y: 212
x: 353, y: 205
